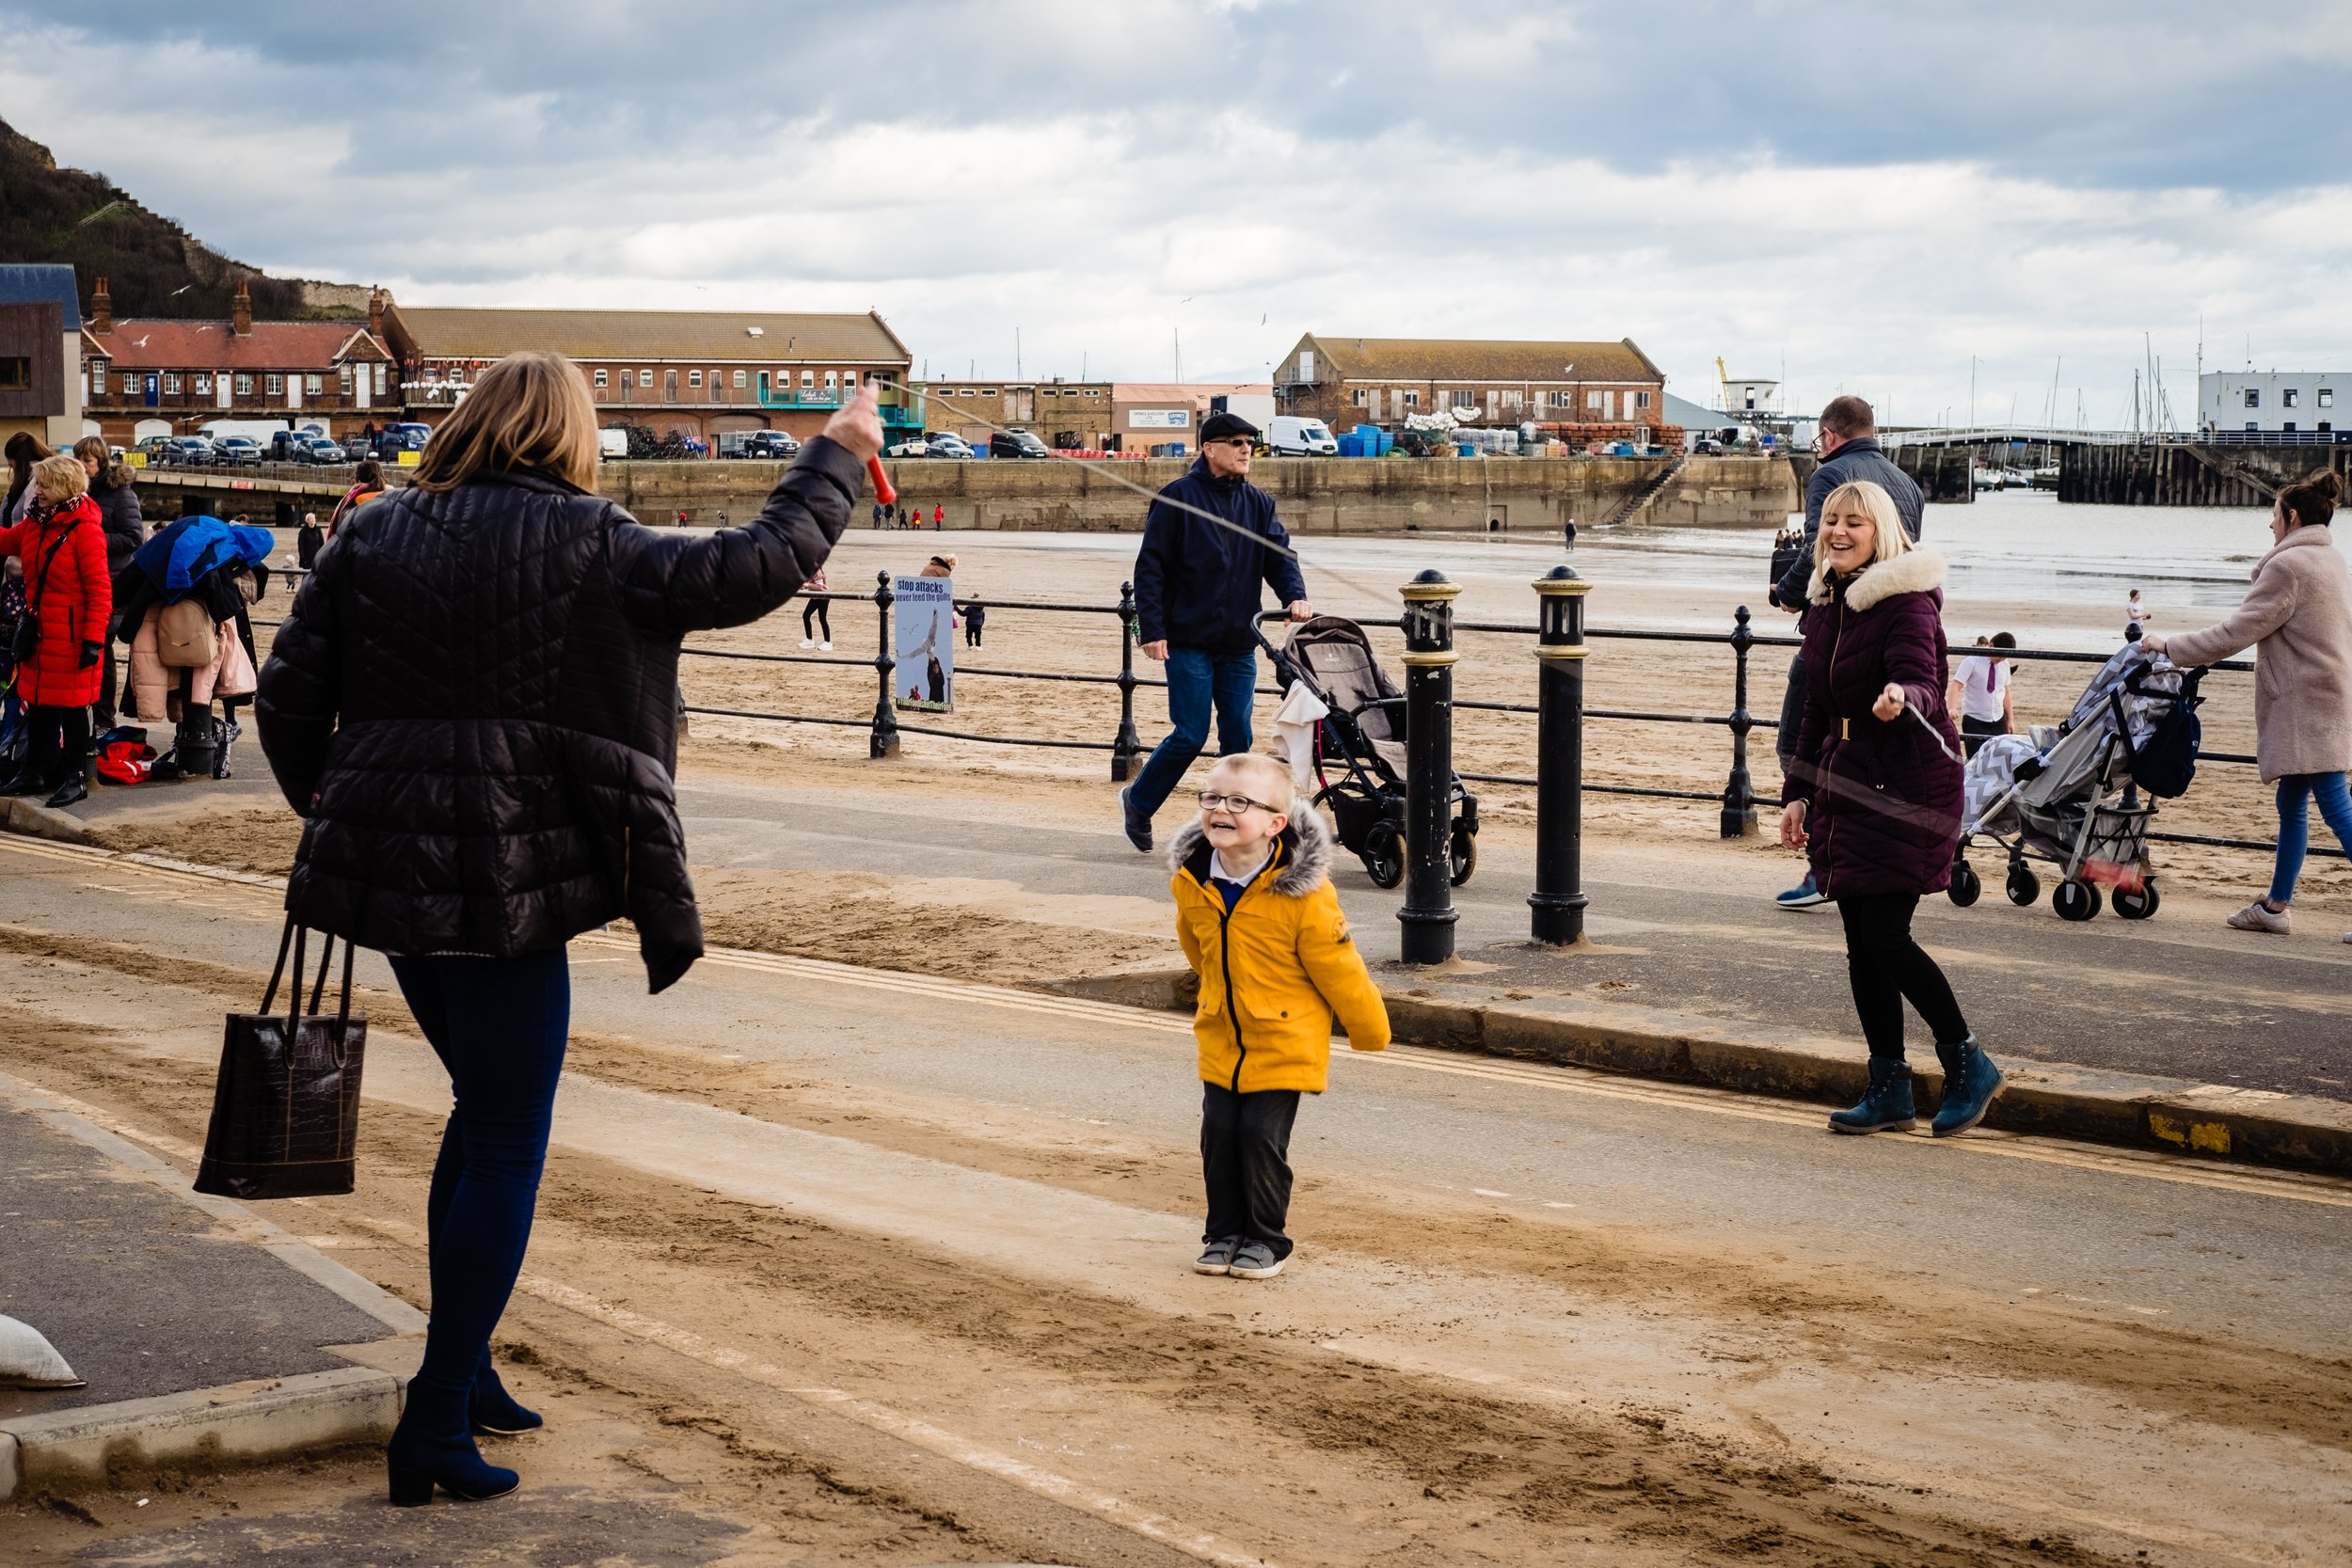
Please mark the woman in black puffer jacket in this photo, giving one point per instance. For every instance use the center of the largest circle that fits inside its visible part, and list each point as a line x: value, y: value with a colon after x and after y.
x: 119, y: 515
x: 472, y: 705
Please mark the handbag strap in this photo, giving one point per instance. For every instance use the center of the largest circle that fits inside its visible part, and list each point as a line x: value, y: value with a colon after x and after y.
x: 318, y: 987
x: 285, y: 942
x: 33, y: 595
x: 294, y: 996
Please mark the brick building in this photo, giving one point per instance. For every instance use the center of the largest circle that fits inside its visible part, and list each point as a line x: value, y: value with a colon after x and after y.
x: 146, y: 377
x: 1076, y: 413
x: 699, y: 372
x: 40, y: 353
x: 1351, y: 381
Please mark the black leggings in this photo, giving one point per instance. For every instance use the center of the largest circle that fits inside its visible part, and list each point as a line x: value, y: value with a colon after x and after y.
x: 1886, y: 966
x: 817, y: 611
x: 57, y: 742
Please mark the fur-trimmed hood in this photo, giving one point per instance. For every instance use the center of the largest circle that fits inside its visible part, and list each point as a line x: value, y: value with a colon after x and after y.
x: 1917, y: 570
x: 1304, y: 847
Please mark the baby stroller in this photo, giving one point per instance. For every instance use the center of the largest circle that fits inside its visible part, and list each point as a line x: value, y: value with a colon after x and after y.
x: 1363, y: 733
x: 2068, y: 795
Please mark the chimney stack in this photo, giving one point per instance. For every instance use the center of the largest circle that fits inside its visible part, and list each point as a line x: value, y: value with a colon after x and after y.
x: 376, y: 312
x: 241, y: 311
x: 102, y: 309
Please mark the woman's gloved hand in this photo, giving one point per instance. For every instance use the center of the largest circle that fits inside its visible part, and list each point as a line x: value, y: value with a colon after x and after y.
x: 92, y: 653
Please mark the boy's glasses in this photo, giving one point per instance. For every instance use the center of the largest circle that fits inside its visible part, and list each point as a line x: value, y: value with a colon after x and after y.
x: 1210, y: 800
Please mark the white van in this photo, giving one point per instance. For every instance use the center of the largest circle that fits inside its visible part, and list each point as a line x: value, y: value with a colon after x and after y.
x: 611, y: 444
x: 1287, y: 436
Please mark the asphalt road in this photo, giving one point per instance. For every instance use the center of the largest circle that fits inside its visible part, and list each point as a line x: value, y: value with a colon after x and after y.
x: 1690, y: 927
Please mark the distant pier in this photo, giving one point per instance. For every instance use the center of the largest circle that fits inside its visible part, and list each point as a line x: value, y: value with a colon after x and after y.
x: 2119, y: 467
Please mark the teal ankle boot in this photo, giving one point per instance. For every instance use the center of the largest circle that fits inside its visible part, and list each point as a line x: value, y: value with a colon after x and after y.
x: 1970, y: 1082
x: 1886, y: 1106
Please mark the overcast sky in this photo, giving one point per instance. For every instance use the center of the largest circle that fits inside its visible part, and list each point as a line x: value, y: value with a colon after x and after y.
x: 1864, y: 194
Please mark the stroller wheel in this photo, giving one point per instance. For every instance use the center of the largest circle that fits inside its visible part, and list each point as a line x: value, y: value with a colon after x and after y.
x: 1967, y: 886
x: 1465, y: 848
x: 2024, y: 886
x: 2075, y: 900
x: 1383, y: 855
x: 2136, y: 906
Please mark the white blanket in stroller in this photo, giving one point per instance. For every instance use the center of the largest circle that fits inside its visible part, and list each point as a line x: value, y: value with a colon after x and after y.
x: 1993, y: 771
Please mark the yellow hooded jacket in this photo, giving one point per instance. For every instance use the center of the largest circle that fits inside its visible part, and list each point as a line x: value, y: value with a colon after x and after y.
x: 1276, y: 970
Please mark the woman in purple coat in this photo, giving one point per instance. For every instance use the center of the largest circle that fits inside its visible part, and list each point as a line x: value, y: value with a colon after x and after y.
x: 1874, y: 795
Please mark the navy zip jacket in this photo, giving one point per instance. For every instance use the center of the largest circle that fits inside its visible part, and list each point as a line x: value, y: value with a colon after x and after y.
x: 1196, y: 584
x: 1861, y: 458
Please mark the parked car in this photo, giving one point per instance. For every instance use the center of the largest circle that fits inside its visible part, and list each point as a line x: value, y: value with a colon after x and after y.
x: 238, y: 450
x: 771, y: 443
x: 918, y: 447
x: 285, y: 445
x: 946, y: 445
x: 1287, y: 435
x: 321, y: 449
x: 151, y: 447
x: 1017, y: 443
x: 1707, y: 446
x: 187, y: 451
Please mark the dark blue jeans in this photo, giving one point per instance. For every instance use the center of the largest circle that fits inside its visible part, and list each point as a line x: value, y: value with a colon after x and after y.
x: 2296, y: 791
x: 1196, y: 681
x: 498, y: 1026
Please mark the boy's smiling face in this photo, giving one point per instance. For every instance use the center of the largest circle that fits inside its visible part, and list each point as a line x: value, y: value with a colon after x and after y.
x: 1241, y: 832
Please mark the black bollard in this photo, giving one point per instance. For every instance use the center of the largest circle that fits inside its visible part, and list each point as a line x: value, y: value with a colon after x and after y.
x: 1558, y: 901
x: 1739, y: 818
x: 883, y: 742
x: 1126, y: 746
x: 1428, y: 915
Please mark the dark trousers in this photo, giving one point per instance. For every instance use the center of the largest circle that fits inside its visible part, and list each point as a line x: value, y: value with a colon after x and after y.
x: 1791, y: 712
x: 1244, y: 1154
x: 110, y: 685
x: 1974, y: 733
x: 1886, y: 967
x: 1197, y: 682
x: 56, y: 741
x: 971, y: 634
x: 498, y: 1026
x: 819, y: 611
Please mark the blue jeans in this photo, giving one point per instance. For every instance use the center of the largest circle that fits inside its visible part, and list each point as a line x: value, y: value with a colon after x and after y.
x: 1198, y: 680
x: 498, y: 1026
x: 2294, y: 824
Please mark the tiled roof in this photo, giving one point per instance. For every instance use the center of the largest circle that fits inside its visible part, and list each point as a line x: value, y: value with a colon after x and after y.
x: 43, y: 283
x: 1481, y: 359
x: 680, y: 335
x: 209, y: 345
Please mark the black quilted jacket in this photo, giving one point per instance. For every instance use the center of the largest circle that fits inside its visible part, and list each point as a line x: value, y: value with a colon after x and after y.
x: 472, y: 705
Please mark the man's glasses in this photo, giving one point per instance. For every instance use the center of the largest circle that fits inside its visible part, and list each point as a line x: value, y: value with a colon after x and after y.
x: 1210, y: 800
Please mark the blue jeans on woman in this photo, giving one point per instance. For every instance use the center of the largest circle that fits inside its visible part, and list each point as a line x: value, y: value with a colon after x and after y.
x: 2295, y: 790
x: 498, y: 1026
x: 1198, y: 680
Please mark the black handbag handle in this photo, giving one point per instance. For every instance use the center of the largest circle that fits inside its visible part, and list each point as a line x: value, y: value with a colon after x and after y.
x: 296, y: 938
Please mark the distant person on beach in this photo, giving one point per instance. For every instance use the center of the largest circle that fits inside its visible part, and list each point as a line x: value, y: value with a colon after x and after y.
x: 938, y: 518
x: 2135, y: 618
x: 1209, y: 542
x: 1260, y: 924
x: 817, y: 613
x: 1849, y: 449
x: 2299, y: 610
x: 1982, y: 693
x: 1874, y: 795
x: 974, y: 617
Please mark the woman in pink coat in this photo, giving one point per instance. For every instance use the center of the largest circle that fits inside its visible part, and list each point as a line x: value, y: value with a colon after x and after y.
x: 2300, y: 613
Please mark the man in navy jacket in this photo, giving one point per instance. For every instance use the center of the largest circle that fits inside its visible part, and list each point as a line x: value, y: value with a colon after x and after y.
x: 1198, y: 594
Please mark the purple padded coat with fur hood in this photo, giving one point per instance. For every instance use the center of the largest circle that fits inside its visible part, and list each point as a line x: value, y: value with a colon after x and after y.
x: 1885, y: 799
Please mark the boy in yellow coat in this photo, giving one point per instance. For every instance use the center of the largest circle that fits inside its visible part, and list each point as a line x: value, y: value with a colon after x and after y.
x: 1261, y: 925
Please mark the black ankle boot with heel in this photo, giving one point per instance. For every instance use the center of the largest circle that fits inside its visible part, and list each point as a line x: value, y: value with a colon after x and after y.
x: 431, y: 1447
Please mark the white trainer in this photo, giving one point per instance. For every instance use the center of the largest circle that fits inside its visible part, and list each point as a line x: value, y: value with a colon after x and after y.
x: 808, y: 643
x: 824, y: 647
x: 2259, y: 916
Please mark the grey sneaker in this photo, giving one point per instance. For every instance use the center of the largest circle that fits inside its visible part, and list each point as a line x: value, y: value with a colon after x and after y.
x: 2259, y: 916
x: 1255, y: 1261
x: 1218, y: 1257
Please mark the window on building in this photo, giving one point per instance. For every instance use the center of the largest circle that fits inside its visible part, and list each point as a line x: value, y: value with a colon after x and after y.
x: 2326, y: 397
x: 693, y: 379
x: 604, y: 378
x: 171, y: 382
x: 2288, y: 427
x: 342, y: 380
x: 1306, y: 364
x: 1512, y: 399
x: 2252, y: 427
x: 2253, y: 397
x: 245, y: 386
x: 98, y: 375
x: 809, y: 378
x: 1641, y: 400
x: 130, y: 384
x: 644, y: 378
x: 277, y: 385
x: 1412, y: 400
x: 314, y: 385
x: 718, y: 379
x: 1592, y: 400
x: 16, y: 370
x: 1360, y: 397
x: 381, y: 370
x: 203, y: 384
x: 2289, y: 396
x: 988, y: 391
x: 833, y: 379
x: 742, y: 379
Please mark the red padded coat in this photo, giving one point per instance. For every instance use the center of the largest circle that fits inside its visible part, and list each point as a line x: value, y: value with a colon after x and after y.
x: 71, y: 596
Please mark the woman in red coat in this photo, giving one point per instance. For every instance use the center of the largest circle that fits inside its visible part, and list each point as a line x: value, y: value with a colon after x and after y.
x: 63, y: 548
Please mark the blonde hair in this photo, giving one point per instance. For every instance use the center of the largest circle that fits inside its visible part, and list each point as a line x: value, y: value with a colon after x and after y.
x: 61, y: 478
x: 531, y: 410
x: 1270, y: 782
x: 1886, y: 522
